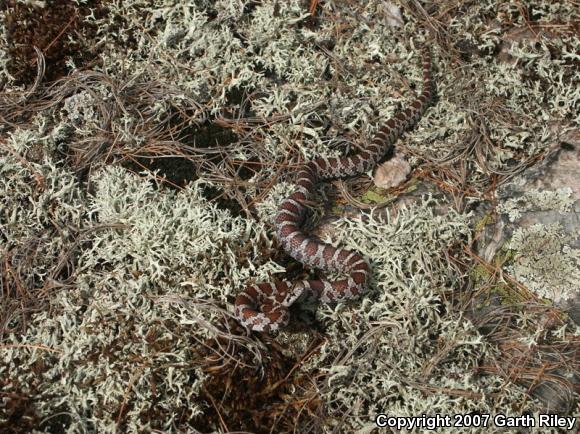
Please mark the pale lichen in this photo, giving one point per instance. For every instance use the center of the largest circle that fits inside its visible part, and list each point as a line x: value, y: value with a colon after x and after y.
x: 155, y: 270
x: 537, y: 200
x: 5, y: 76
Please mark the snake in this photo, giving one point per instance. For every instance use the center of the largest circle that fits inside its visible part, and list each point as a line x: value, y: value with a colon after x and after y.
x: 264, y: 307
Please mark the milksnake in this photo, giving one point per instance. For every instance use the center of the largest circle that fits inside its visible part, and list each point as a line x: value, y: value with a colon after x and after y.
x: 264, y: 306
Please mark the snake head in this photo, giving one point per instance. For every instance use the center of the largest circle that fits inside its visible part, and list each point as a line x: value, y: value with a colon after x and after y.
x: 293, y: 293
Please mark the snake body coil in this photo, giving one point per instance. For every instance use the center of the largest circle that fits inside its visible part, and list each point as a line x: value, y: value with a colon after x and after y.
x: 264, y: 306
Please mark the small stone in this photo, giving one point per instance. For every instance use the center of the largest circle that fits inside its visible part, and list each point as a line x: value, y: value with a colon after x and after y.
x: 392, y: 173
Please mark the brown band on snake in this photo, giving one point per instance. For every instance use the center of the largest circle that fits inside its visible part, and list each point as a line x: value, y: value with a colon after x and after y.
x: 264, y: 306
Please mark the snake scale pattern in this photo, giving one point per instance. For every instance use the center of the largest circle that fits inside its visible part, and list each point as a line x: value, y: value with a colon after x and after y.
x: 264, y: 306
